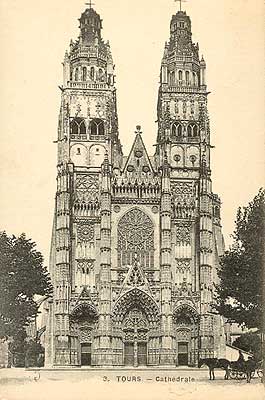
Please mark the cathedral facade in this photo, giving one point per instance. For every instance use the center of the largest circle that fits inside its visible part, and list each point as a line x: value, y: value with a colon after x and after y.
x: 136, y: 239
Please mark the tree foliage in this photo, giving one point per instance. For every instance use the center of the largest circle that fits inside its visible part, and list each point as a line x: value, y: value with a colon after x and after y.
x: 239, y: 294
x: 250, y: 342
x: 22, y: 277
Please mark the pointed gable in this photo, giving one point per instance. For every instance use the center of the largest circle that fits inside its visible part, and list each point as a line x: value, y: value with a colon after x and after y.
x: 138, y: 160
x: 85, y: 296
x: 136, y: 278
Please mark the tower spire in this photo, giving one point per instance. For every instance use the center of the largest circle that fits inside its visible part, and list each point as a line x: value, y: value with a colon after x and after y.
x: 180, y: 3
x: 90, y: 4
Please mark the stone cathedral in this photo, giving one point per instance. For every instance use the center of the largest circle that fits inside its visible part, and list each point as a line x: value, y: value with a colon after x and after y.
x: 136, y: 238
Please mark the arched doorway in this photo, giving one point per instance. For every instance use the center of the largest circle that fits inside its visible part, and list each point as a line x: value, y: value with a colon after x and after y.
x: 135, y: 318
x: 82, y: 324
x: 186, y: 328
x: 135, y: 328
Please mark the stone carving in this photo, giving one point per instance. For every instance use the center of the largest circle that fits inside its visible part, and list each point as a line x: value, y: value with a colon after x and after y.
x: 135, y: 325
x: 85, y: 265
x: 155, y: 209
x: 135, y: 227
x: 183, y: 265
x: 183, y: 199
x: 117, y: 208
x: 135, y: 277
x: 85, y: 232
x: 182, y: 190
x: 85, y: 335
x: 87, y: 188
x: 183, y: 231
x: 136, y: 298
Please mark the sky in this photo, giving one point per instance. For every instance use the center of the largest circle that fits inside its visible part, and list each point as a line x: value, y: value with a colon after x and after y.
x: 34, y: 37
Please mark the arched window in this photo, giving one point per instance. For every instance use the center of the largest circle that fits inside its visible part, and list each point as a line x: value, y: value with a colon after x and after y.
x: 180, y: 75
x: 136, y: 236
x: 100, y: 75
x: 82, y: 127
x: 194, y: 79
x: 192, y: 130
x: 92, y: 73
x: 187, y: 77
x: 74, y: 127
x: 76, y: 74
x: 176, y: 129
x: 97, y: 127
x: 77, y: 126
x: 84, y: 74
x: 172, y: 77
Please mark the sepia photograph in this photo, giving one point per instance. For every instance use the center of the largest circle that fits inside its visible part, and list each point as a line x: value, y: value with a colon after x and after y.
x: 132, y: 200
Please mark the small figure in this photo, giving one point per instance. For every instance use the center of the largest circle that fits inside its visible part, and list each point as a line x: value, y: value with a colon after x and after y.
x: 250, y: 368
x: 240, y: 357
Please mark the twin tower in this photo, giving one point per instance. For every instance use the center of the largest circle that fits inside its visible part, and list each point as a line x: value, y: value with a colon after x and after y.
x: 136, y: 239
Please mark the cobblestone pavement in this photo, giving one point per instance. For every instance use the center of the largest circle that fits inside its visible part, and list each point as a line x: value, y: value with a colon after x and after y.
x: 124, y: 384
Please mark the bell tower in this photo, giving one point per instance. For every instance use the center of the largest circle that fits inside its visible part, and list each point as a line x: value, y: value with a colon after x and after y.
x: 194, y: 239
x: 88, y: 144
x: 88, y: 118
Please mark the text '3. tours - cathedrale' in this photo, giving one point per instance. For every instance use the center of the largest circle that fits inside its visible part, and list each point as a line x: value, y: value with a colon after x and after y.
x: 136, y: 239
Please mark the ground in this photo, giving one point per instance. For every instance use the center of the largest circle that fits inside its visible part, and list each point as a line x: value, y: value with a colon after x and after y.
x: 123, y: 384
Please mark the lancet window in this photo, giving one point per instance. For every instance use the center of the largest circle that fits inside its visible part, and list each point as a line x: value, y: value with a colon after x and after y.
x: 97, y: 127
x: 176, y: 129
x: 84, y: 74
x: 78, y: 126
x: 192, y: 130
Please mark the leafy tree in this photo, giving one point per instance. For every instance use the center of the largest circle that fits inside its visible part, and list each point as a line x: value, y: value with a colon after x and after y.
x: 239, y: 294
x: 249, y: 342
x: 22, y: 277
x: 34, y: 354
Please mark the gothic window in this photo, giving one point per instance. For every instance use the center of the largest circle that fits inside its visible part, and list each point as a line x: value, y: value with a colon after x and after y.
x: 92, y: 73
x: 84, y: 74
x: 136, y: 236
x: 187, y: 76
x: 100, y: 75
x: 76, y: 74
x: 180, y: 75
x: 194, y: 79
x: 97, y: 127
x: 176, y: 129
x: 82, y: 127
x: 74, y: 127
x: 77, y: 126
x: 172, y: 78
x: 192, y: 130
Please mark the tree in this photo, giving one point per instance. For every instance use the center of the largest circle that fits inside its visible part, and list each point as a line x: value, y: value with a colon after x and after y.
x: 239, y: 293
x: 249, y: 342
x: 22, y: 277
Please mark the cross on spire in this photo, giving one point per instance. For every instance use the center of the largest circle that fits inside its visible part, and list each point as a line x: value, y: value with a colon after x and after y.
x: 90, y: 4
x: 180, y: 3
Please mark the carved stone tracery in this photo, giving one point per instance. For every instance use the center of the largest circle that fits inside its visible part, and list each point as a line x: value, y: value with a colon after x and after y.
x: 87, y: 188
x: 183, y: 233
x: 85, y: 232
x: 136, y: 236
